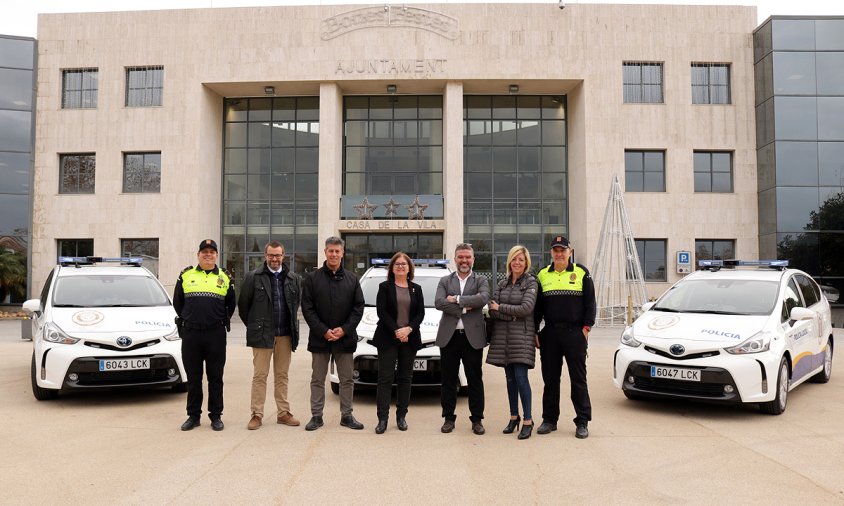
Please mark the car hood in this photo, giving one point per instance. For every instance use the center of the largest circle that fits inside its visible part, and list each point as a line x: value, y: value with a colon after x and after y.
x: 428, y: 329
x: 153, y: 320
x: 703, y: 330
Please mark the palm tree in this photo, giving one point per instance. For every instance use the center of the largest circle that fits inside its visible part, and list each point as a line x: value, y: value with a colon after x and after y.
x: 12, y: 274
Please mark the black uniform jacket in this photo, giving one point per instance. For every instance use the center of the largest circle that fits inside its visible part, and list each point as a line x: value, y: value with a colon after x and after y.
x: 387, y: 310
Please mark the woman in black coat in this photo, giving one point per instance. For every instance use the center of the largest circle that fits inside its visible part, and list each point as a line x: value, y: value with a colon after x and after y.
x: 401, y: 309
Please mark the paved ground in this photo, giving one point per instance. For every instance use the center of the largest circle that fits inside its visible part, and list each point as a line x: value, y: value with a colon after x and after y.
x: 126, y: 447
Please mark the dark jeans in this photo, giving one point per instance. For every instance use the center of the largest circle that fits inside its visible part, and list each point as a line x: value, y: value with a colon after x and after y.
x: 555, y: 345
x: 456, y: 350
x: 403, y: 374
x: 518, y: 386
x: 208, y: 348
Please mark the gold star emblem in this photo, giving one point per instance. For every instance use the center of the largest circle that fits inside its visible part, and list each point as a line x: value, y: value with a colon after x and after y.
x: 416, y: 210
x: 365, y: 209
x: 391, y: 206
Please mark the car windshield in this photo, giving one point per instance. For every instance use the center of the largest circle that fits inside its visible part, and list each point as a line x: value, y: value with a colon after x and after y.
x: 369, y: 285
x: 108, y: 291
x: 721, y: 296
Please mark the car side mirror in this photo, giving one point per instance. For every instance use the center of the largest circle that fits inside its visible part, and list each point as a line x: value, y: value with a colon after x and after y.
x: 32, y: 306
x: 801, y: 313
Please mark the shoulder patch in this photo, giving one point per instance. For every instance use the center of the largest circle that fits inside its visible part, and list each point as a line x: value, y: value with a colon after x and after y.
x: 186, y: 269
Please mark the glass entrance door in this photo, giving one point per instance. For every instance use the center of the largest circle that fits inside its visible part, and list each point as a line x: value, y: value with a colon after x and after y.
x: 362, y: 248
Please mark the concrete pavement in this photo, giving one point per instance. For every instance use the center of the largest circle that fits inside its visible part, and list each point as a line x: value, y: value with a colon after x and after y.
x: 126, y: 448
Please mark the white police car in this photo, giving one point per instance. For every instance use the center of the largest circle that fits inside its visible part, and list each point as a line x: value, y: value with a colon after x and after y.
x: 103, y: 323
x: 426, y: 367
x: 729, y: 334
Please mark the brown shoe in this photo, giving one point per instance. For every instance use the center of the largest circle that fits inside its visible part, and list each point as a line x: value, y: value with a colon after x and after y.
x: 254, y: 422
x: 288, y: 419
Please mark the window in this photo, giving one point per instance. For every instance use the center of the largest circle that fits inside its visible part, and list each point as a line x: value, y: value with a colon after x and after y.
x: 144, y: 86
x: 713, y: 171
x: 144, y: 248
x: 642, y: 83
x: 80, y: 88
x: 142, y: 172
x: 710, y: 83
x: 75, y: 247
x: 515, y: 183
x: 652, y: 257
x: 644, y: 171
x: 810, y: 291
x: 76, y: 173
x: 714, y: 249
x: 791, y: 299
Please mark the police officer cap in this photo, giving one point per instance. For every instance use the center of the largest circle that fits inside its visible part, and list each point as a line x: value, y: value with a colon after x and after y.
x: 560, y: 241
x: 208, y: 243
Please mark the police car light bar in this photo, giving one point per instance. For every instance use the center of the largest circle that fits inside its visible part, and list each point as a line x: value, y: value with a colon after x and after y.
x: 439, y: 262
x: 717, y: 264
x: 135, y: 261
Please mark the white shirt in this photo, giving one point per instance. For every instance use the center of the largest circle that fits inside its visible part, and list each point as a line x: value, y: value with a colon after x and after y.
x: 462, y: 287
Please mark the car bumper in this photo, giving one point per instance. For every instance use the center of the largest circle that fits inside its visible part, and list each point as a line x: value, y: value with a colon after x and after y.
x: 56, y: 364
x: 723, y: 378
x: 366, y: 367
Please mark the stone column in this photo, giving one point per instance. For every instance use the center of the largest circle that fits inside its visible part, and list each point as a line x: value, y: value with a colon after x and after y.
x: 330, y: 161
x: 453, y: 166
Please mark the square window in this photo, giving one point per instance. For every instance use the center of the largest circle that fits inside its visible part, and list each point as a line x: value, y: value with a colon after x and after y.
x: 80, y: 88
x: 642, y: 82
x: 142, y: 172
x: 144, y: 86
x: 76, y: 173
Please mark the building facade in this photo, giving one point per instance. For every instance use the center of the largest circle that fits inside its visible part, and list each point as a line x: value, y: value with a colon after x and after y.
x: 17, y: 129
x: 800, y: 137
x: 395, y: 127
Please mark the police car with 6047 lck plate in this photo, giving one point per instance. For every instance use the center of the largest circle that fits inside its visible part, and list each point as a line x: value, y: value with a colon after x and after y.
x: 426, y: 368
x: 729, y: 333
x: 103, y: 323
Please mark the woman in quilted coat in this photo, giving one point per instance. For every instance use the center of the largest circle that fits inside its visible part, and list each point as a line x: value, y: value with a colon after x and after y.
x: 513, y: 344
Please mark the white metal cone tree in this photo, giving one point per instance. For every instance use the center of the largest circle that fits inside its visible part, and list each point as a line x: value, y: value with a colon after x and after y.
x: 617, y: 273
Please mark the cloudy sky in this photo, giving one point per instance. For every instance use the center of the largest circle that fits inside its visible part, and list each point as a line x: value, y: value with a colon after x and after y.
x: 20, y: 16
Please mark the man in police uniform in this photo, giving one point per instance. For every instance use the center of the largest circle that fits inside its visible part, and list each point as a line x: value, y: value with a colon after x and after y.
x: 566, y: 300
x: 204, y: 301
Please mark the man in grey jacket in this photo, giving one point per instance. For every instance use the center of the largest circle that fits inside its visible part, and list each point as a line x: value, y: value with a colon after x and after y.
x: 268, y: 306
x: 461, y: 297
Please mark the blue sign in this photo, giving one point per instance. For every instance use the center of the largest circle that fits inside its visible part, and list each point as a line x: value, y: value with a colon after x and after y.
x: 684, y: 257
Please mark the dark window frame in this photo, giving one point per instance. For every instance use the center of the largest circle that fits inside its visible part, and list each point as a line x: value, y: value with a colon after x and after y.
x: 145, y: 86
x: 644, y: 261
x: 75, y: 98
x: 705, y: 85
x: 81, y: 178
x: 630, y: 171
x: 639, y: 87
x: 711, y: 172
x: 148, y: 183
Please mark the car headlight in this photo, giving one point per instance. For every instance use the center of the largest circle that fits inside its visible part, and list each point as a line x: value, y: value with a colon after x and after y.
x: 53, y: 334
x: 627, y: 338
x: 756, y: 343
x: 173, y: 336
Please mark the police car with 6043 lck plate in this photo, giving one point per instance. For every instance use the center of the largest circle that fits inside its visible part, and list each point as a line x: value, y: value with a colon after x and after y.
x: 426, y: 367
x: 732, y: 334
x: 103, y: 323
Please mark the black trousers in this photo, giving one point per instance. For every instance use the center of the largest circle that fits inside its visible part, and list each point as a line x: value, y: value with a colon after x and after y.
x: 456, y: 350
x: 388, y: 356
x: 204, y: 348
x: 557, y: 344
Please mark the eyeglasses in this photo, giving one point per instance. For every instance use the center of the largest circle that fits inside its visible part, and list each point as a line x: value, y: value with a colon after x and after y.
x: 399, y: 264
x: 275, y: 257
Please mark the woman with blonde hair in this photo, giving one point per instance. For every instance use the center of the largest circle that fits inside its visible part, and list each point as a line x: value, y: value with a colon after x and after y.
x: 513, y: 338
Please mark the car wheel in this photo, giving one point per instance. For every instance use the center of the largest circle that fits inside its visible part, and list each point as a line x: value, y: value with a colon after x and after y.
x: 180, y: 388
x: 824, y: 375
x: 777, y: 406
x: 335, y: 387
x: 42, y: 394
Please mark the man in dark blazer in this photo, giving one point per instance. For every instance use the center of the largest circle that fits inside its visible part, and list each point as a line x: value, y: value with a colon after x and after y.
x: 461, y: 297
